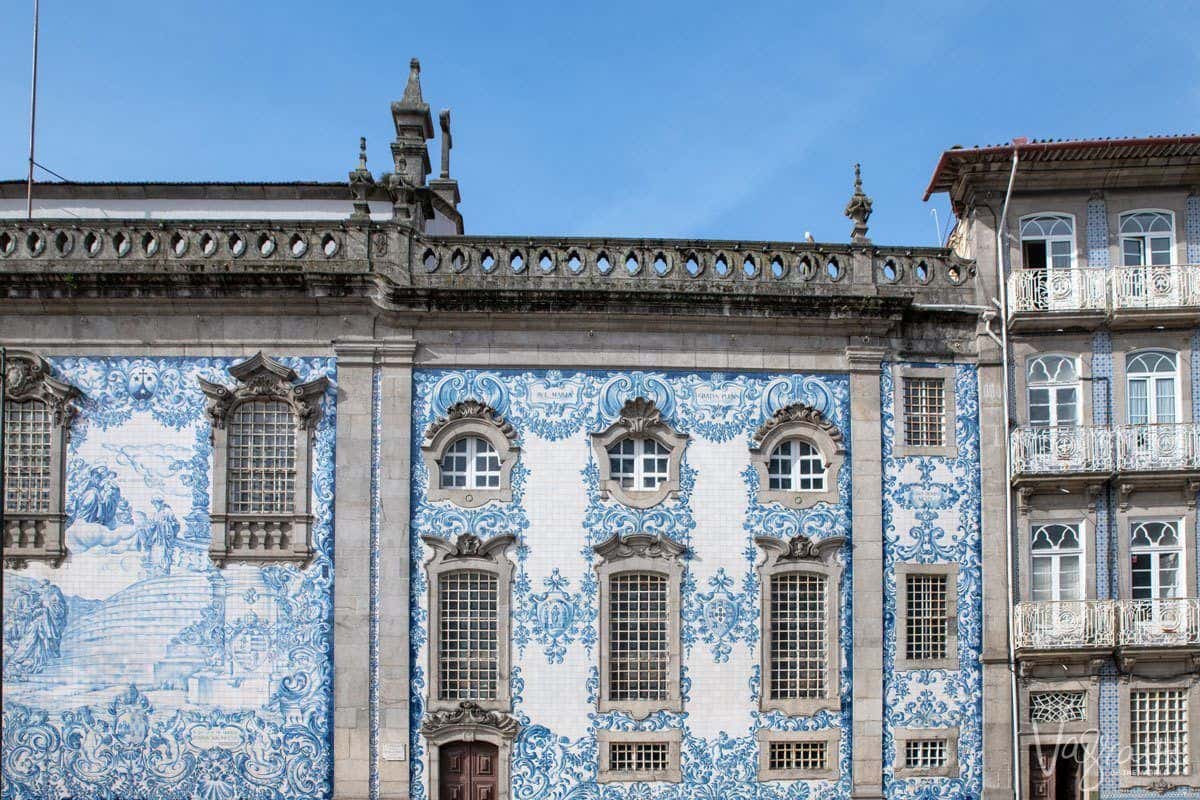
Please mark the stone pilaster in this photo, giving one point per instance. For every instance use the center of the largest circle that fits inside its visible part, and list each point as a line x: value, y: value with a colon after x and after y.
x: 866, y: 459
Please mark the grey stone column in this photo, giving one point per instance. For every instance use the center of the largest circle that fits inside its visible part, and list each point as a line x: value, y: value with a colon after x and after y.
x: 997, y: 681
x: 866, y: 444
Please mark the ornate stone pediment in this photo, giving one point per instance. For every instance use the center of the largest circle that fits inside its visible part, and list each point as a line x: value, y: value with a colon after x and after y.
x: 468, y: 545
x: 471, y: 410
x: 475, y: 419
x: 799, y: 548
x: 799, y: 414
x: 470, y: 715
x: 261, y: 377
x: 27, y: 377
x: 639, y: 545
x: 641, y: 416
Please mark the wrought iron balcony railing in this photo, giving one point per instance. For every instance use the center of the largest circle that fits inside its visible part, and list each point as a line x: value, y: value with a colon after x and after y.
x: 1062, y: 450
x: 1065, y: 625
x: 1160, y: 623
x: 1162, y: 287
x: 1057, y: 290
x: 1167, y: 286
x: 1164, y: 447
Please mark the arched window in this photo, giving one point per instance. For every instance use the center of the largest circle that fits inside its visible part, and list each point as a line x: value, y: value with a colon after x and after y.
x: 1152, y: 387
x: 1053, y: 391
x: 798, y: 453
x: 1156, y: 563
x: 1048, y: 241
x: 469, y: 455
x: 639, y: 464
x: 1057, y: 555
x: 796, y: 465
x: 263, y: 431
x: 1147, y: 238
x: 639, y: 456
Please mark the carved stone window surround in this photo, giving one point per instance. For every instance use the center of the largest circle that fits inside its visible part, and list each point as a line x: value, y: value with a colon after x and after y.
x: 672, y: 737
x: 263, y: 537
x: 950, y: 571
x: 464, y: 419
x: 641, y: 553
x: 39, y: 535
x: 468, y: 722
x: 798, y: 422
x: 949, y: 446
x: 639, y: 418
x: 801, y: 555
x: 832, y: 737
x: 469, y: 552
x: 949, y: 769
x: 1190, y: 685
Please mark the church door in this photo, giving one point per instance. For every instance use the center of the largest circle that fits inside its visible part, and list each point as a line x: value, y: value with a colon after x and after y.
x: 468, y: 771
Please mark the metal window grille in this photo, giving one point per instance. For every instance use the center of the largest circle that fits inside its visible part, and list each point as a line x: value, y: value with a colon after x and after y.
x: 471, y: 462
x: 639, y: 464
x: 27, y: 456
x: 262, y: 458
x: 1051, y: 707
x: 638, y: 628
x: 924, y: 753
x: 1158, y: 720
x: 469, y: 649
x: 796, y: 755
x: 798, y: 466
x: 927, y: 616
x: 798, y: 645
x: 638, y: 756
x: 924, y: 412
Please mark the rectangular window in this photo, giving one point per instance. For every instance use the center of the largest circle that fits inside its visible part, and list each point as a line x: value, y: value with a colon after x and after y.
x: 639, y: 756
x: 1158, y: 720
x: 639, y: 631
x: 469, y: 647
x: 927, y: 616
x: 1053, y: 707
x: 924, y: 754
x: 924, y: 412
x: 27, y: 456
x: 798, y: 645
x: 262, y: 458
x: 790, y: 755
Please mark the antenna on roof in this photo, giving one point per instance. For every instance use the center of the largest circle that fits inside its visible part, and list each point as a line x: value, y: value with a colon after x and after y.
x: 32, y: 115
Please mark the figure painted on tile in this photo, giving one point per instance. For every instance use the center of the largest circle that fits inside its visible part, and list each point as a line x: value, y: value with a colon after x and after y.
x: 33, y: 628
x: 100, y: 500
x: 157, y: 536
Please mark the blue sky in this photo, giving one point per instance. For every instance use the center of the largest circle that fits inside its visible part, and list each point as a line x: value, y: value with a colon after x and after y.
x: 732, y: 120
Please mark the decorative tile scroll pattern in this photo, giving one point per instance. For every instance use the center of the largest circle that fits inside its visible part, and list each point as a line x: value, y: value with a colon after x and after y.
x: 1097, y: 233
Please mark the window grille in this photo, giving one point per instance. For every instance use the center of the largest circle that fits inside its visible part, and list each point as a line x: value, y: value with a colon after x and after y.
x: 262, y: 458
x: 927, y: 616
x: 1159, y: 732
x: 639, y: 464
x: 639, y: 756
x: 798, y: 645
x: 638, y: 628
x: 27, y: 456
x: 924, y: 412
x: 924, y: 753
x: 471, y: 462
x: 796, y: 466
x: 1052, y: 707
x: 797, y: 755
x: 469, y: 627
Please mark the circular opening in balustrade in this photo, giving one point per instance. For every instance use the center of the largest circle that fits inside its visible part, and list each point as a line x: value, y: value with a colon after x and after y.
x: 64, y: 243
x: 298, y: 245
x: 7, y: 244
x: 237, y: 245
x: 122, y: 244
x: 266, y: 245
x: 35, y: 243
x: 92, y: 244
x: 149, y: 244
x: 179, y: 244
x: 329, y: 245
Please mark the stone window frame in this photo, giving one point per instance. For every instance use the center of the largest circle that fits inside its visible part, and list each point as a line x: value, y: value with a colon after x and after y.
x: 1160, y: 509
x: 1089, y: 687
x: 672, y: 737
x: 1029, y: 519
x: 639, y: 418
x: 469, y: 552
x: 1190, y: 684
x: 949, y: 447
x: 833, y: 749
x: 902, y: 571
x: 900, y: 736
x: 464, y: 419
x: 467, y: 722
x: 803, y: 556
x: 287, y: 536
x: 645, y: 553
x: 39, y: 535
x: 798, y: 422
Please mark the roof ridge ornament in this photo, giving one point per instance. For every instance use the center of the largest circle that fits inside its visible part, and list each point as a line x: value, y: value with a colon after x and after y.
x: 859, y: 209
x: 412, y: 91
x: 361, y: 181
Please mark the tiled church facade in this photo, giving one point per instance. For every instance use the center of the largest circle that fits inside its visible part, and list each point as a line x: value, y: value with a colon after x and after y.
x: 180, y: 650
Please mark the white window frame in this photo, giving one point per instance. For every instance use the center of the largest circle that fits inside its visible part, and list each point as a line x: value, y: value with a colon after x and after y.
x: 1055, y: 556
x: 1152, y: 379
x: 474, y: 449
x: 1155, y: 553
x: 1028, y: 234
x: 639, y: 419
x: 644, y: 448
x: 950, y: 573
x: 1144, y: 237
x: 469, y: 419
x: 798, y: 423
x: 1053, y: 388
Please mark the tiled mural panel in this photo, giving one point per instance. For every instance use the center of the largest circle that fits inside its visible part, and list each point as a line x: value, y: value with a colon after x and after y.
x: 557, y: 514
x: 931, y: 516
x: 137, y: 669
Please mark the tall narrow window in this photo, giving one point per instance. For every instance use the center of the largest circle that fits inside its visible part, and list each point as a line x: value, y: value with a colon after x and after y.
x: 1057, y: 563
x: 28, y: 456
x: 1053, y: 390
x: 262, y: 458
x: 924, y: 412
x: 799, y: 651
x: 1158, y: 721
x: 469, y: 625
x: 1048, y: 242
x: 1156, y: 552
x: 927, y: 616
x: 1152, y: 387
x: 639, y: 658
x: 1147, y: 238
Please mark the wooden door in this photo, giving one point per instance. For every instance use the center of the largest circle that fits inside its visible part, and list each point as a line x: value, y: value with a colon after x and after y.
x: 1042, y: 765
x: 468, y: 771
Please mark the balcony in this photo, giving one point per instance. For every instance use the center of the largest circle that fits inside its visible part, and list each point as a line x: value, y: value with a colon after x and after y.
x: 1062, y: 450
x: 1042, y: 299
x: 1063, y: 627
x: 1160, y: 623
x: 1158, y: 448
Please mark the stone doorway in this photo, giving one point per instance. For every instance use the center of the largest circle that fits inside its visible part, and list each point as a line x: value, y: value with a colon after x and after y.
x: 468, y: 771
x: 1056, y: 773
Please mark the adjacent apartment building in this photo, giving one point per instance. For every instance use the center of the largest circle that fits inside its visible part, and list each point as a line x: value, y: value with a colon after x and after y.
x: 308, y: 494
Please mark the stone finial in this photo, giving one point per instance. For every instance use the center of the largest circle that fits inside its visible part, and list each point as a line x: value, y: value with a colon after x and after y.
x: 412, y: 92
x: 858, y: 209
x: 447, y: 142
x: 361, y: 182
x: 362, y: 153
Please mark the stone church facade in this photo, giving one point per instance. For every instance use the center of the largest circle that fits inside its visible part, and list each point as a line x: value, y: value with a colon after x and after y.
x: 309, y: 494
